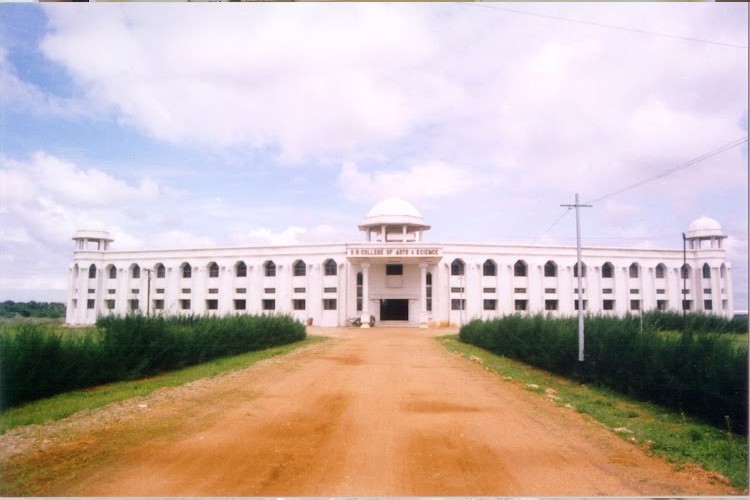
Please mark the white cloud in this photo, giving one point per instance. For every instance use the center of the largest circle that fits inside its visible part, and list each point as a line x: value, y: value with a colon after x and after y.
x: 420, y: 182
x: 323, y: 233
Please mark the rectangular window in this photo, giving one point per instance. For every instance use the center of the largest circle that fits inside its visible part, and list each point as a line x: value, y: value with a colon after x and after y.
x: 134, y: 305
x: 110, y: 304
x: 90, y: 304
x: 607, y: 291
x: 269, y: 290
x: 329, y: 289
x: 585, y: 304
x: 299, y: 290
x: 135, y: 291
x: 458, y: 304
x: 240, y: 304
x: 708, y: 305
x: 575, y: 290
x: 724, y: 304
x: 520, y: 305
x: 687, y: 305
x: 635, y: 290
x: 635, y: 305
x: 185, y: 290
x: 550, y: 290
x: 429, y: 305
x: 92, y: 290
x: 550, y: 305
x: 660, y: 291
x: 159, y: 290
x: 111, y: 291
x: 213, y: 290
x: 75, y: 303
x: 329, y: 304
x: 685, y: 290
x: 269, y: 304
x: 490, y: 304
x: 185, y: 304
x: 519, y: 290
x: 394, y: 269
x: 457, y: 289
x: 240, y: 290
x: 661, y: 305
x: 608, y: 304
x: 158, y: 304
x: 707, y: 290
x: 298, y: 304
x: 489, y: 290
x: 212, y: 304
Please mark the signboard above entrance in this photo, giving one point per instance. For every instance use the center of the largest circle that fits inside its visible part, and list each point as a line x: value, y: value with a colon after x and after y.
x: 399, y: 251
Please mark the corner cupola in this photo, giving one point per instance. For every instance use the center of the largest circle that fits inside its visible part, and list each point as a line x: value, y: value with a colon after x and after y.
x: 704, y: 232
x: 394, y: 221
x: 90, y: 239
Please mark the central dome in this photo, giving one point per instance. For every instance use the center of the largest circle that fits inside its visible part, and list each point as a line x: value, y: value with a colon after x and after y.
x: 394, y: 207
x: 704, y: 227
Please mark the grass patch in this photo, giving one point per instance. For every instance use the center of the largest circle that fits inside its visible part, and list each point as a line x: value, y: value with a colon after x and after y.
x: 66, y: 404
x: 670, y: 434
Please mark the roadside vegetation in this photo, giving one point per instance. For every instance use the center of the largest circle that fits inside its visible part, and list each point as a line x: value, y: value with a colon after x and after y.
x: 10, y: 309
x: 63, y: 405
x: 701, y: 374
x: 672, y: 434
x: 39, y: 361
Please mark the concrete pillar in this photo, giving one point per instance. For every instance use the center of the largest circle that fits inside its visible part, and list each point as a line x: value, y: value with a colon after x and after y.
x: 366, y: 292
x: 423, y: 294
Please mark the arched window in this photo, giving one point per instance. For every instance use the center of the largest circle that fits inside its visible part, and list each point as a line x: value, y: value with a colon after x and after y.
x: 359, y: 291
x: 112, y: 272
x: 457, y: 267
x: 269, y: 268
x: 633, y: 270
x: 519, y: 268
x: 723, y: 271
x: 240, y: 269
x: 160, y: 271
x: 213, y: 270
x: 550, y: 269
x: 92, y: 271
x: 706, y: 271
x: 660, y: 270
x: 428, y: 292
x: 489, y: 268
x: 187, y: 271
x: 685, y: 272
x: 329, y: 267
x: 583, y: 270
x: 300, y: 269
x: 135, y: 271
x: 608, y: 270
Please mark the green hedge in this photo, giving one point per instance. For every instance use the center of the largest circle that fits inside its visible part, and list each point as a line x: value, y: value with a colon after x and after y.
x: 38, y: 361
x: 704, y: 375
x: 696, y: 322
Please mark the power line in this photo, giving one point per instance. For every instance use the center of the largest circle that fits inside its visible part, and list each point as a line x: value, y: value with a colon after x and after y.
x: 612, y: 26
x: 552, y: 225
x: 672, y: 170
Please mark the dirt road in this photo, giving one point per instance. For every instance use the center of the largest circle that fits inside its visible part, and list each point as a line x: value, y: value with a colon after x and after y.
x: 371, y: 412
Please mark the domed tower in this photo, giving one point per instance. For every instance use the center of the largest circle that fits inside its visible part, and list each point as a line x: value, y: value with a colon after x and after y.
x: 88, y: 239
x: 394, y: 221
x: 704, y: 232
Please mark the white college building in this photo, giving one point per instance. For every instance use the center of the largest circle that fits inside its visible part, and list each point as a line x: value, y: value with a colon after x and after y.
x: 397, y: 277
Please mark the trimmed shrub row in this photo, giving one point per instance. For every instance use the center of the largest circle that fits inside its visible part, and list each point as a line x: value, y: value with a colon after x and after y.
x: 704, y: 375
x: 696, y: 322
x: 38, y: 361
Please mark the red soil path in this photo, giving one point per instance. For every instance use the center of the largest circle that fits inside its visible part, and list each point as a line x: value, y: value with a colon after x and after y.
x: 379, y: 412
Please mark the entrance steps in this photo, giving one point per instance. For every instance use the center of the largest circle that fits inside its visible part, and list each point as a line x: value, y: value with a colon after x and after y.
x: 395, y: 324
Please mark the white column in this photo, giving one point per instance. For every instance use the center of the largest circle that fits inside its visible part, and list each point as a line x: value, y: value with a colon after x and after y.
x: 198, y: 290
x: 728, y: 291
x: 382, y: 230
x: 423, y: 294
x: 122, y: 294
x: 226, y: 291
x: 366, y: 292
x: 716, y: 291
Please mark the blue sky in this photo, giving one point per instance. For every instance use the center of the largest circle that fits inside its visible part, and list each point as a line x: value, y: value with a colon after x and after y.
x: 217, y: 124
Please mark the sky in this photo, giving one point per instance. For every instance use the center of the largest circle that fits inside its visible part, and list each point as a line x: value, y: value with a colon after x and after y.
x: 200, y: 125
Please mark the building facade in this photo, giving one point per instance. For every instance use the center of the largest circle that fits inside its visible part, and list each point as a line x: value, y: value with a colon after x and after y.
x: 397, y: 277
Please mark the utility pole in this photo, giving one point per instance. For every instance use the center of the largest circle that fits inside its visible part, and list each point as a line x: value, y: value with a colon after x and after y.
x: 683, y: 271
x: 148, y: 293
x: 580, y: 277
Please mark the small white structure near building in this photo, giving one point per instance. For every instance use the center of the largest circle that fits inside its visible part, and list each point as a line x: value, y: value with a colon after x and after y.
x: 398, y: 277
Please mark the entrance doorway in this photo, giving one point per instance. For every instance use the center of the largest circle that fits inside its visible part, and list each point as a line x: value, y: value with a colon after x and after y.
x: 394, y: 310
